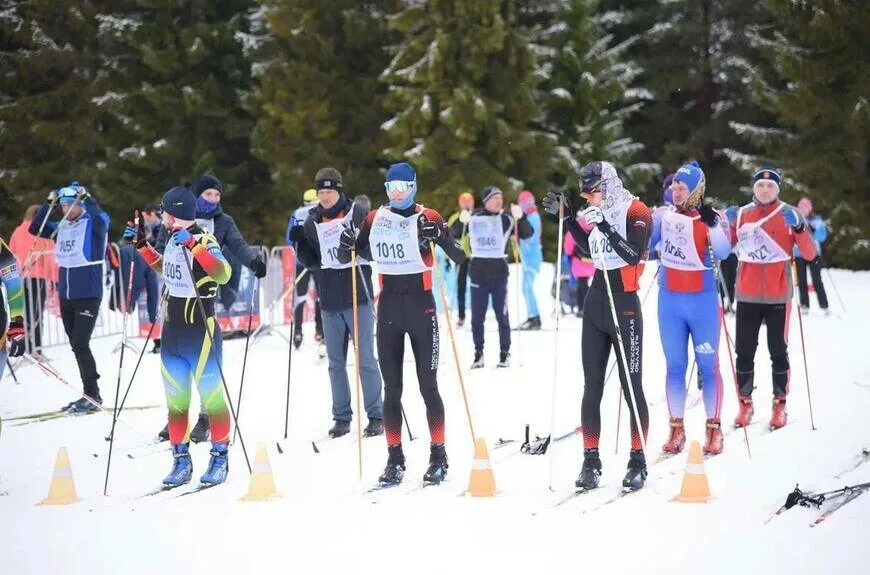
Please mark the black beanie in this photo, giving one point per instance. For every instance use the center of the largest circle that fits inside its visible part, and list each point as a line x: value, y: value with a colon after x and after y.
x: 180, y: 203
x: 328, y: 179
x: 206, y: 181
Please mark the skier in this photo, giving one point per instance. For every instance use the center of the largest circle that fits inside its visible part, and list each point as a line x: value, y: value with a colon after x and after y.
x: 211, y: 218
x: 187, y: 355
x: 820, y: 234
x: 489, y: 229
x: 11, y: 325
x: 766, y: 232
x: 688, y: 305
x: 400, y: 235
x: 621, y: 239
x: 531, y: 257
x: 458, y: 223
x: 296, y: 239
x: 323, y: 229
x: 79, y: 249
x: 728, y: 266
x: 581, y: 265
x: 144, y: 278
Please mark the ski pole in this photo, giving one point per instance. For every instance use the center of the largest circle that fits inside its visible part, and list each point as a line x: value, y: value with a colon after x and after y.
x: 245, y: 357
x: 834, y: 285
x: 555, y: 372
x: 724, y: 325
x: 356, y: 359
x: 213, y: 350
x: 621, y: 354
x: 803, y: 345
x: 12, y: 371
x: 407, y: 425
x: 289, y: 364
x: 519, y: 279
x: 443, y: 291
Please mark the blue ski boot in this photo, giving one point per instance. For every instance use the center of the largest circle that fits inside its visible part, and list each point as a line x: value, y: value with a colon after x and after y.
x: 182, y: 468
x: 437, y: 465
x: 218, y: 467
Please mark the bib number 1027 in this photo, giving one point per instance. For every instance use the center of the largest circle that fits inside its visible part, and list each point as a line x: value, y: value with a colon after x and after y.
x: 390, y: 251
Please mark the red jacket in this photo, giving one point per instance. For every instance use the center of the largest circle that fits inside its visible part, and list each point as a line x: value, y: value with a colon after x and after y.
x: 770, y: 283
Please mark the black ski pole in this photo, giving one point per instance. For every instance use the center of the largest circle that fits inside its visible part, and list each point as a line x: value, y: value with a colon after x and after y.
x: 213, y: 350
x: 289, y: 364
x: 407, y: 425
x: 12, y: 371
x: 118, y: 408
x: 245, y: 357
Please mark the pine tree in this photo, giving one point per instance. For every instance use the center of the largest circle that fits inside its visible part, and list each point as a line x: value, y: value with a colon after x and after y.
x: 179, y: 93
x: 816, y: 82
x: 50, y: 132
x: 319, y: 94
x: 461, y: 88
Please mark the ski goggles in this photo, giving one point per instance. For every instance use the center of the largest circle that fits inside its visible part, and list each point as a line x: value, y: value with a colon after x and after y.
x: 67, y: 195
x: 400, y: 187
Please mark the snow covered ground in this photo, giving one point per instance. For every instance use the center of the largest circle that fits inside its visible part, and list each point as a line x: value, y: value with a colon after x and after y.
x: 325, y: 522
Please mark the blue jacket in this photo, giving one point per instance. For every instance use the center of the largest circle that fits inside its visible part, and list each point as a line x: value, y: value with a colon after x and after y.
x: 531, y: 253
x: 85, y: 282
x: 820, y: 234
x: 144, y: 278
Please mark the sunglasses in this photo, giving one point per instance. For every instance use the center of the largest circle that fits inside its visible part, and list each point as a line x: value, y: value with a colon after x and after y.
x: 398, y: 186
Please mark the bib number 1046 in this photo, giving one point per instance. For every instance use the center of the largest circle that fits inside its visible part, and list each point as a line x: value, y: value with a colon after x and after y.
x: 390, y: 251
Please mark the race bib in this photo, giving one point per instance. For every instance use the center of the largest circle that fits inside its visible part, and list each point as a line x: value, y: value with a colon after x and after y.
x: 603, y: 254
x: 677, y: 249
x: 754, y: 244
x: 488, y: 239
x: 176, y: 274
x: 70, y: 245
x: 329, y: 236
x: 395, y: 245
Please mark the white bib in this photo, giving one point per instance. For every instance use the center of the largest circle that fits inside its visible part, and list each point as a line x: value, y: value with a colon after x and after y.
x: 70, y: 247
x: 329, y: 236
x: 599, y: 245
x: 395, y: 245
x: 176, y: 275
x: 755, y: 245
x: 488, y: 239
x: 677, y: 249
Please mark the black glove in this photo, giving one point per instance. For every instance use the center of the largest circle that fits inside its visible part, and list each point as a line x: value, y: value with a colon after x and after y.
x: 429, y: 230
x: 297, y: 234
x: 258, y: 266
x: 448, y: 265
x: 15, y: 337
x: 141, y: 235
x: 708, y: 215
x: 551, y: 204
x: 347, y: 240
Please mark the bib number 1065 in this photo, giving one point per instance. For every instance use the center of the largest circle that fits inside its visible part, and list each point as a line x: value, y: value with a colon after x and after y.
x: 390, y: 251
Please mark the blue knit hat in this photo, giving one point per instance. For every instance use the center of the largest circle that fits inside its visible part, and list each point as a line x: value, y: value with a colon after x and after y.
x: 767, y: 174
x: 179, y: 202
x: 402, y: 172
x: 205, y: 182
x: 692, y: 175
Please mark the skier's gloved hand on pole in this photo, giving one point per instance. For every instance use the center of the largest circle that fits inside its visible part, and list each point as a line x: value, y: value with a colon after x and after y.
x: 258, y: 266
x: 183, y: 238
x: 465, y: 216
x: 15, y: 337
x: 131, y: 231
x: 708, y: 215
x: 593, y: 215
x: 516, y: 211
x: 347, y: 240
x: 551, y: 204
x: 429, y: 230
x: 297, y: 234
x: 82, y: 193
x: 52, y: 196
x: 793, y: 219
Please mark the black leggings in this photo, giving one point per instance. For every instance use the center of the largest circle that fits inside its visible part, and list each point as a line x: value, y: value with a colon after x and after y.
x: 79, y: 318
x: 413, y: 314
x: 749, y: 319
x: 599, y: 337
x: 461, y: 283
x: 815, y: 267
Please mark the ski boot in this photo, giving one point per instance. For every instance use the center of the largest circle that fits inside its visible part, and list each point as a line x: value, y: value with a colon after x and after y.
x: 218, y: 466
x: 636, y: 474
x: 374, y: 428
x: 69, y: 405
x: 677, y: 441
x: 395, y: 469
x: 339, y: 428
x: 84, y: 406
x: 779, y: 416
x: 200, y: 432
x: 297, y: 339
x: 805, y: 310
x: 164, y: 434
x: 715, y: 442
x: 504, y: 359
x: 182, y: 467
x: 460, y: 322
x: 590, y: 473
x: 531, y: 324
x: 478, y: 360
x: 156, y: 348
x: 745, y: 415
x: 437, y: 465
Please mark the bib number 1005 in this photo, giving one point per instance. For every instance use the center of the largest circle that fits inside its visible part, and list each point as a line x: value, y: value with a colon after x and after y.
x: 390, y: 251
x: 172, y: 271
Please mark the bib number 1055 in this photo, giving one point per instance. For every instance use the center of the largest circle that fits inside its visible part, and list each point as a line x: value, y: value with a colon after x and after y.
x: 390, y: 251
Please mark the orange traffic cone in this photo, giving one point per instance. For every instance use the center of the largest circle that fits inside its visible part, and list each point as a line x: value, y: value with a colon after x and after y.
x: 482, y: 481
x: 262, y: 486
x: 62, y: 490
x: 695, y: 488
